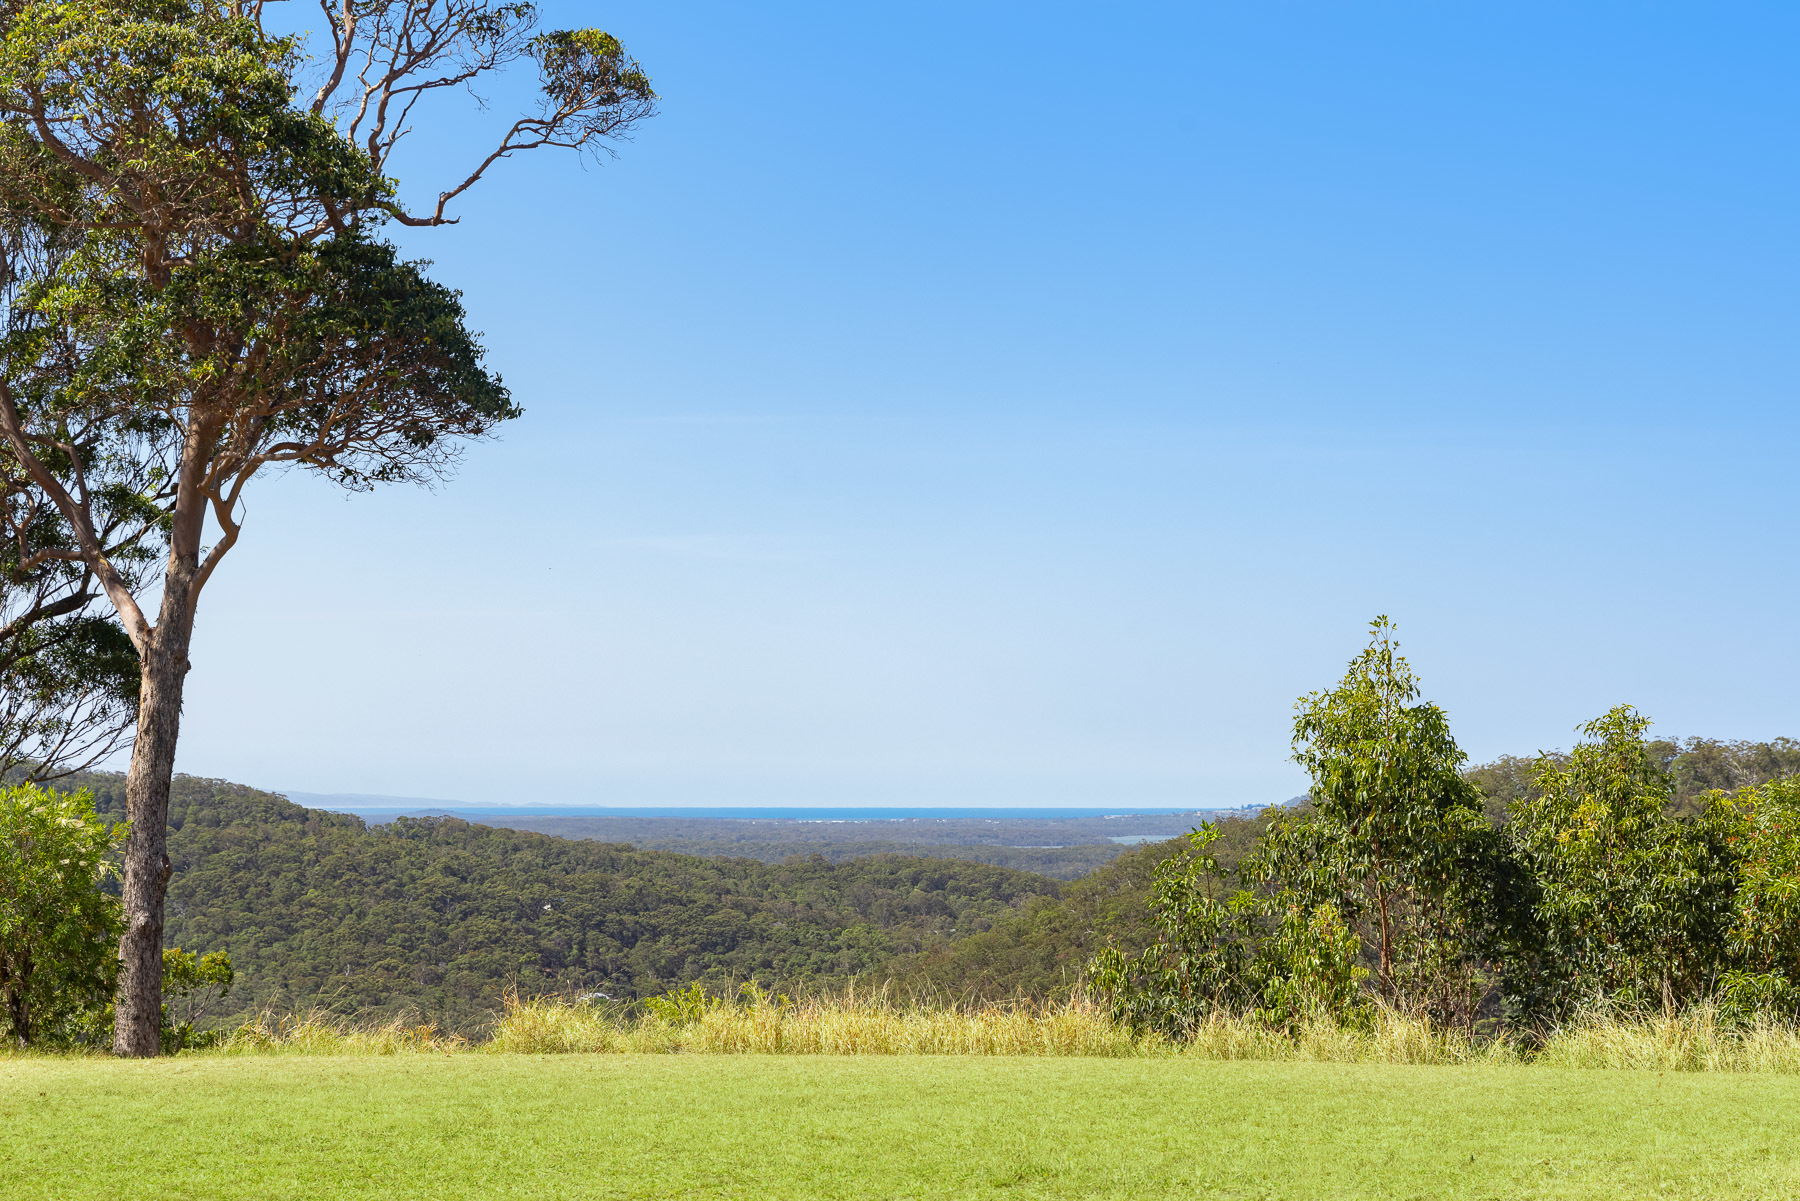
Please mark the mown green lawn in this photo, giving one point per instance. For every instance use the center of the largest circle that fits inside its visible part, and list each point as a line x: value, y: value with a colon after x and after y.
x: 728, y: 1126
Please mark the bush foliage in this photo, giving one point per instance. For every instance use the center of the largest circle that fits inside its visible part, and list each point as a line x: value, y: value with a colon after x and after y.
x: 59, y: 931
x: 1597, y: 887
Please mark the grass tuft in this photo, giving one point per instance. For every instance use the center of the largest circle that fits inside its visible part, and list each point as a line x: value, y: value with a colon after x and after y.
x: 320, y: 1033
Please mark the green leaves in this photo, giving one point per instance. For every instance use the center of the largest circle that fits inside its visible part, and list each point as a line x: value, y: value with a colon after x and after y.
x: 589, y: 68
x: 1393, y: 839
x: 192, y: 985
x: 1197, y: 965
x: 1630, y: 901
x: 1221, y: 952
x: 58, y: 931
x: 1760, y: 827
x: 682, y: 1006
x: 1314, y: 971
x: 158, y: 110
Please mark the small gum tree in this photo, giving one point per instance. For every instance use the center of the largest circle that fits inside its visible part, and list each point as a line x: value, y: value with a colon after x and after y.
x: 1391, y: 858
x: 204, y: 292
x: 1394, y: 837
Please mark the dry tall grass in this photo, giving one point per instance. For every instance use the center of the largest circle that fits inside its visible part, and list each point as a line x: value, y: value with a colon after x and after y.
x: 851, y: 1025
x: 1390, y: 1037
x: 1695, y: 1041
x: 874, y: 1025
x: 1691, y: 1041
x: 321, y: 1033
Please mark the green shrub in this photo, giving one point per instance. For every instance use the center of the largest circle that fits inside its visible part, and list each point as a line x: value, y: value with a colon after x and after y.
x: 1198, y: 966
x: 192, y: 985
x: 59, y: 931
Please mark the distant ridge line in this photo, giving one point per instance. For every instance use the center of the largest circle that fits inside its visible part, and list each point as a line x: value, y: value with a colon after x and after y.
x: 384, y: 808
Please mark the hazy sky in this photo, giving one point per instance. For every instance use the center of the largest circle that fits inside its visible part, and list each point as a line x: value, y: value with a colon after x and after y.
x: 1023, y: 404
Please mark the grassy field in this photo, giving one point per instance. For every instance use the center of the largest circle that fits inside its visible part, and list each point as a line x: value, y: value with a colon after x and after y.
x: 452, y: 1126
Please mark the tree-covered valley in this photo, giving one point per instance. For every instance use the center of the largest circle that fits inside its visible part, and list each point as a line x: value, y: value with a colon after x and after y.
x: 442, y: 917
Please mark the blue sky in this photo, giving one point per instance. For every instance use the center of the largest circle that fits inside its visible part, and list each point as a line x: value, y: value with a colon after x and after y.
x: 1022, y: 404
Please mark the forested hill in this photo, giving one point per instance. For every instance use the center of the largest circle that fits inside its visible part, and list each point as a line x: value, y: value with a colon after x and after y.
x: 1064, y: 846
x: 441, y: 915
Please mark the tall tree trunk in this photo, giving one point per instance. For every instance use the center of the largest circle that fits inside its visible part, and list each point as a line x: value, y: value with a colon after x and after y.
x: 137, y: 1027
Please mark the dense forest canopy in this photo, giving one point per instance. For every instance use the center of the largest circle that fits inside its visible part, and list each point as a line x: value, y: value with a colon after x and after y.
x: 1696, y: 765
x: 442, y: 916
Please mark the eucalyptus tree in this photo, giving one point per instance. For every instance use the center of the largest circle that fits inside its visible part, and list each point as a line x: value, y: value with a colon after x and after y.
x: 1391, y: 860
x: 223, y: 301
x: 1393, y: 837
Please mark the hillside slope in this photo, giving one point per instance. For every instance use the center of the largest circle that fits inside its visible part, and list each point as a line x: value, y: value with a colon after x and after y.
x: 1064, y: 847
x: 1041, y: 949
x: 440, y: 915
x: 1057, y: 862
